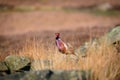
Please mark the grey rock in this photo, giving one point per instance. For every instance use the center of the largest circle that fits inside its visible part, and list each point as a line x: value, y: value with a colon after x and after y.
x: 3, y: 66
x: 15, y: 63
x: 71, y: 75
x: 50, y: 75
x: 38, y: 75
x: 16, y: 76
x: 3, y: 69
x: 112, y: 38
x: 82, y: 50
x: 104, y: 7
x: 113, y: 35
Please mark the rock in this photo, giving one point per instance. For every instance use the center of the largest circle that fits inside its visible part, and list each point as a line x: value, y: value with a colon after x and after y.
x: 113, y: 35
x: 3, y: 69
x: 15, y: 63
x: 112, y: 38
x: 38, y: 75
x: 71, y: 75
x: 15, y: 76
x: 117, y: 45
x: 50, y: 75
x: 82, y: 50
x: 3, y: 66
x: 104, y: 7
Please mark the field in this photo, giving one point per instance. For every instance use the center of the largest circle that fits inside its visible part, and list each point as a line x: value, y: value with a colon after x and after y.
x: 30, y: 31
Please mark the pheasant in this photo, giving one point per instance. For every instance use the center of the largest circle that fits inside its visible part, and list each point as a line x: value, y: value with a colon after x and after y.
x: 62, y: 47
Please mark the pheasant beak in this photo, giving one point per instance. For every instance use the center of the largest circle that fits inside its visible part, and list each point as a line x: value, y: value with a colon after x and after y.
x: 57, y: 34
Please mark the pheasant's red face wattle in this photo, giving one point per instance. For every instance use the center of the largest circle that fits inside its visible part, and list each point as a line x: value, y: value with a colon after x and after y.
x: 57, y: 34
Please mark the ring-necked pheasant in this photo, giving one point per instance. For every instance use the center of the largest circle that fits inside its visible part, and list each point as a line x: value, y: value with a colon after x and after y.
x: 63, y: 47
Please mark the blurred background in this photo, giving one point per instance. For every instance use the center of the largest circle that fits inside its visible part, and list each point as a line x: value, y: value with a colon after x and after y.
x: 22, y: 16
x: 78, y: 21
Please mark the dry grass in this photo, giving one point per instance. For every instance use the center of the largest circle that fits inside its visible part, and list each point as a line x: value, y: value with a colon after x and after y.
x: 103, y: 62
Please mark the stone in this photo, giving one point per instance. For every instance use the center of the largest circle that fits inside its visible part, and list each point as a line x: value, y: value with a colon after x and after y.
x: 71, y: 75
x: 3, y: 66
x: 113, y: 35
x: 112, y: 38
x: 3, y: 69
x: 15, y: 63
x: 104, y: 7
x: 82, y: 50
x: 50, y: 75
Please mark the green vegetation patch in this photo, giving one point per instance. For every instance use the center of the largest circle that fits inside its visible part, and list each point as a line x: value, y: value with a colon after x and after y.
x: 17, y: 8
x: 99, y: 9
x: 10, y: 8
x: 94, y: 11
x: 108, y: 12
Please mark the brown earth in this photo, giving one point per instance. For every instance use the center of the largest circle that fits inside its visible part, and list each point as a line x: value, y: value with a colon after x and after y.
x: 31, y: 21
x: 23, y: 22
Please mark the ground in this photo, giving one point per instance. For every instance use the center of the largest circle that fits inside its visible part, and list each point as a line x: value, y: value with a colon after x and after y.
x: 18, y: 22
x: 13, y: 23
x: 76, y: 27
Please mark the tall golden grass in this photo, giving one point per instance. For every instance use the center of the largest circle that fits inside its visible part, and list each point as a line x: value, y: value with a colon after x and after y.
x: 102, y: 61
